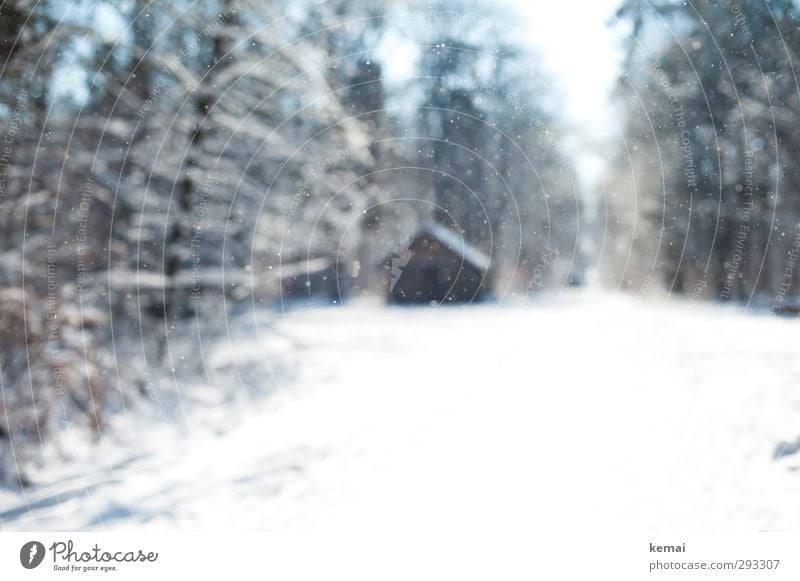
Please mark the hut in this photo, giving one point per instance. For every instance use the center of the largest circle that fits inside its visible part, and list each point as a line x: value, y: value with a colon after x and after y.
x: 315, y: 279
x: 437, y: 265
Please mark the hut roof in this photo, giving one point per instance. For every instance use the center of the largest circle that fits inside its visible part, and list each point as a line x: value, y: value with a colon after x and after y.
x: 455, y: 243
x: 309, y: 266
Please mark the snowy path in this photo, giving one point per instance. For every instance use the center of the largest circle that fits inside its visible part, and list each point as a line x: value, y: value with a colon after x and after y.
x: 600, y: 412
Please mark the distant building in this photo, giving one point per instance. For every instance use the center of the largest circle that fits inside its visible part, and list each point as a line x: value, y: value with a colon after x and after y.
x: 314, y: 279
x: 437, y: 264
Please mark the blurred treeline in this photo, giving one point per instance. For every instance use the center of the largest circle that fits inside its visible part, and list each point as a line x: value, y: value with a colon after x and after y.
x: 703, y: 188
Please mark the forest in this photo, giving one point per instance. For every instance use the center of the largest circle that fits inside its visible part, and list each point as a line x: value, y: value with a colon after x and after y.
x: 711, y: 91
x: 172, y: 174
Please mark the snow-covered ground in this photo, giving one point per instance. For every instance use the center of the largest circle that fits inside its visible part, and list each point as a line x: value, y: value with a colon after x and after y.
x: 596, y: 411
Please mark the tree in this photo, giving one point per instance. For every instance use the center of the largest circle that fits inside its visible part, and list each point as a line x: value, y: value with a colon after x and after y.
x: 699, y: 188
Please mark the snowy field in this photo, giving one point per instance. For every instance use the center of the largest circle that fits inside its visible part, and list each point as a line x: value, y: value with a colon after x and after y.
x: 597, y: 411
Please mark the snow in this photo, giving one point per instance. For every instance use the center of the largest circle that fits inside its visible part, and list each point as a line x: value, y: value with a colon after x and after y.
x: 588, y: 410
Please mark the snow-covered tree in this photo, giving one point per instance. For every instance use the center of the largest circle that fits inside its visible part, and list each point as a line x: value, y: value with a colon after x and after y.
x: 704, y: 186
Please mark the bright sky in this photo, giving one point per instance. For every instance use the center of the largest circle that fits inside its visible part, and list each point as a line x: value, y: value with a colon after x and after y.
x: 580, y: 50
x: 582, y: 53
